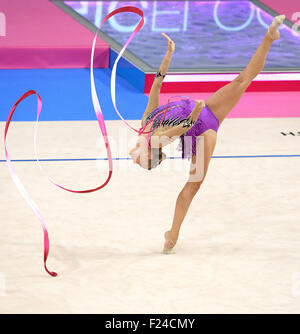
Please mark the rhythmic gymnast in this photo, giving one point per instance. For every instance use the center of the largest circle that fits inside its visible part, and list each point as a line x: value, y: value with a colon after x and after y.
x: 193, y: 120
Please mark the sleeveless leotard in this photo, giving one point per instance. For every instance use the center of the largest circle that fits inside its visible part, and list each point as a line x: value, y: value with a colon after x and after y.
x: 177, y: 111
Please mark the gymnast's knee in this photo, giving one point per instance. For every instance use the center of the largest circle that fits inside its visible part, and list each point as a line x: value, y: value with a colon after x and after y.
x: 191, y: 189
x: 242, y: 80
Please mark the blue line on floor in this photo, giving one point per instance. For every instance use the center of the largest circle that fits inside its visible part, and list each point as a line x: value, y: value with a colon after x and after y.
x: 258, y: 156
x: 214, y: 157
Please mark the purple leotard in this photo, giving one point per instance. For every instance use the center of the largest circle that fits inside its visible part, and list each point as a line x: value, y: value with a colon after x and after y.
x: 178, y: 110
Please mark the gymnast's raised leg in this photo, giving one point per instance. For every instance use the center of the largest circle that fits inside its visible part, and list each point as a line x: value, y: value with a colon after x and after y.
x: 220, y: 103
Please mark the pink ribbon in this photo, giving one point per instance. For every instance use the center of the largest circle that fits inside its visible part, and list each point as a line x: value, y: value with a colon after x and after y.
x: 101, y: 123
x: 19, y: 184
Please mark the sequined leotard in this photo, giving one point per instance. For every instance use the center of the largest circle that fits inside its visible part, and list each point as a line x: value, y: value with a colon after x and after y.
x: 177, y: 111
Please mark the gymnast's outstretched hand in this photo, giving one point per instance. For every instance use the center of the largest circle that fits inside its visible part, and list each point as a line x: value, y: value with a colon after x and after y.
x: 171, y: 44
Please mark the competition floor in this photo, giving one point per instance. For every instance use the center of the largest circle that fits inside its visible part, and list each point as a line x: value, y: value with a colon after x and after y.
x: 239, y: 250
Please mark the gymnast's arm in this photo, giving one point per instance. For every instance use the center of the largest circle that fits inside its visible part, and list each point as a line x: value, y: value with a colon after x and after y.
x: 162, y: 136
x: 153, y: 101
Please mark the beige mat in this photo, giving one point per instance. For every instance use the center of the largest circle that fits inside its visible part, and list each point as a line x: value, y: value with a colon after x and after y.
x: 239, y: 250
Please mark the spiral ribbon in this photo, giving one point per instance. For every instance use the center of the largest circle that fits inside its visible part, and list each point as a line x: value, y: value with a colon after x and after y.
x: 100, y: 120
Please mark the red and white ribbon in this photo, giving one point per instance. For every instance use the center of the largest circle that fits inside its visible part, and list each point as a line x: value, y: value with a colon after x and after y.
x: 101, y: 123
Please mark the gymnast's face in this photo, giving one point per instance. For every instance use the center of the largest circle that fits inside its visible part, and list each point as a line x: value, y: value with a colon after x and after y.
x: 141, y: 155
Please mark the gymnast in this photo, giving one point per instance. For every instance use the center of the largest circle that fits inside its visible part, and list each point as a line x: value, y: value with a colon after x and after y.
x: 197, y: 121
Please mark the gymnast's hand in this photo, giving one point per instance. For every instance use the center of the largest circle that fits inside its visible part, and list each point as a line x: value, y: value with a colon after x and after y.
x: 171, y: 44
x: 199, y: 105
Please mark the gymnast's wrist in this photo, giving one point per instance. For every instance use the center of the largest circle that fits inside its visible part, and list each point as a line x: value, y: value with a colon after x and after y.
x: 159, y: 73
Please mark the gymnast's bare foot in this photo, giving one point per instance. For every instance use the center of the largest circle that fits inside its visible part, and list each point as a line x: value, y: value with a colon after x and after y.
x: 273, y: 29
x: 169, y: 244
